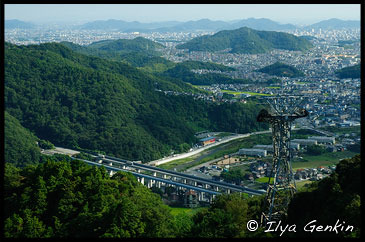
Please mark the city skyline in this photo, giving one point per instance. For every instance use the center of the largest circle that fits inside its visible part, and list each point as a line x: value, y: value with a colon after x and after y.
x: 81, y: 13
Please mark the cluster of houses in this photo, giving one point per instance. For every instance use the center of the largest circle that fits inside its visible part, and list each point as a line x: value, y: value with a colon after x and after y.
x: 259, y: 169
x: 314, y: 174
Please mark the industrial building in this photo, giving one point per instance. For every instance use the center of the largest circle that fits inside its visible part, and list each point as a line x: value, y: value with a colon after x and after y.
x: 305, y: 141
x: 207, y: 141
x: 270, y: 148
x: 253, y: 152
x: 324, y: 139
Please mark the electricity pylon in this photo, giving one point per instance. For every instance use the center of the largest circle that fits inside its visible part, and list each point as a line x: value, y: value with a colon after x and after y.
x: 281, y: 185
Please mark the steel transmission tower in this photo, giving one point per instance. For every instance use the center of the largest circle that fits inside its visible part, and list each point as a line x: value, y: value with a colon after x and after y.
x: 281, y: 184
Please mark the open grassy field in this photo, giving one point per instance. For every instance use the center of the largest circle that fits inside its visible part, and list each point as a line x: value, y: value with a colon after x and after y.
x: 300, y: 184
x: 190, y: 211
x: 170, y: 165
x: 343, y: 130
x: 265, y: 179
x: 326, y: 159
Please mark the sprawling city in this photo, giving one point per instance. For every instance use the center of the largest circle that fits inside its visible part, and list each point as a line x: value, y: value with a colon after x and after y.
x: 240, y: 127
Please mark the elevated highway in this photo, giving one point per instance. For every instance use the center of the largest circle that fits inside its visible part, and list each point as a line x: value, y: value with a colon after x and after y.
x: 153, y: 176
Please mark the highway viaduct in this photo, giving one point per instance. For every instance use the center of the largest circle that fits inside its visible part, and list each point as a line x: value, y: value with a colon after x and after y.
x: 149, y: 176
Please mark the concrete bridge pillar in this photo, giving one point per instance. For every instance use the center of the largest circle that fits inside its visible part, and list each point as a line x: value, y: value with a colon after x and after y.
x: 123, y: 167
x: 200, y: 196
x: 111, y: 172
x: 154, y: 173
x: 164, y: 176
x: 139, y: 170
x: 216, y: 188
x: 228, y: 191
x: 149, y: 183
x: 195, y: 183
x: 159, y: 184
x: 141, y: 180
x: 205, y: 186
x: 110, y: 163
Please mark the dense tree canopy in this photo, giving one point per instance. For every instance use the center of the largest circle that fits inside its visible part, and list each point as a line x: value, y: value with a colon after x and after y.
x: 227, y: 217
x: 78, y: 101
x: 66, y: 198
x: 282, y: 70
x: 72, y: 199
x: 20, y: 146
x: 334, y: 198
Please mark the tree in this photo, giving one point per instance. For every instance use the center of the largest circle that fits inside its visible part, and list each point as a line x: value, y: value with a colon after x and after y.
x: 19, y: 143
x: 336, y: 197
x: 73, y: 199
x: 315, y: 150
x: 226, y: 218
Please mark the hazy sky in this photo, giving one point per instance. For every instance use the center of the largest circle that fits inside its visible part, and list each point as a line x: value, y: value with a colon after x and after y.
x: 283, y: 13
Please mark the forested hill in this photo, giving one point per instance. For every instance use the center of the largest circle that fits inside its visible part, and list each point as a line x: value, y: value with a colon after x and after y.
x: 247, y: 41
x: 20, y: 146
x: 74, y: 100
x: 282, y: 70
x: 145, y: 60
x: 136, y: 44
x: 349, y: 72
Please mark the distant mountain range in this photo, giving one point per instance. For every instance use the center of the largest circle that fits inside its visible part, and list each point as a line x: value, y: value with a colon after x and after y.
x: 335, y: 23
x: 14, y: 24
x: 247, y: 41
x: 198, y: 25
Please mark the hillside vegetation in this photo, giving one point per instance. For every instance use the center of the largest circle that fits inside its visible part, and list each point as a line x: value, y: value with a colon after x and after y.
x: 349, y: 72
x: 20, y: 146
x: 337, y: 197
x: 281, y: 70
x: 183, y: 71
x: 68, y: 198
x: 246, y: 41
x: 79, y: 101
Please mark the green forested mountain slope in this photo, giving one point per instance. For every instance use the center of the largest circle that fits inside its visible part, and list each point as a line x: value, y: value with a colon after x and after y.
x: 75, y: 101
x: 247, y: 41
x: 20, y: 146
x: 72, y: 199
